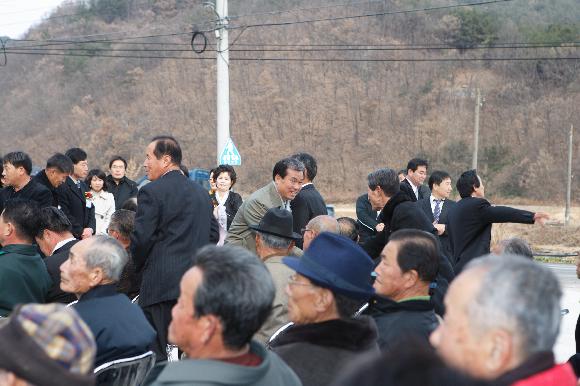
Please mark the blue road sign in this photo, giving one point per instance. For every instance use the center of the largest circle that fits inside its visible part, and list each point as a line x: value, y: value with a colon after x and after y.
x: 230, y: 155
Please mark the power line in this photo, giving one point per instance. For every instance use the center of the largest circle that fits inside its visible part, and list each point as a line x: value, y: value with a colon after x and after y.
x: 427, y: 9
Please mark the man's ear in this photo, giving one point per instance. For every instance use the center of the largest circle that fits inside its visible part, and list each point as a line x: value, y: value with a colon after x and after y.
x: 498, y: 351
x: 210, y: 325
x: 96, y: 276
x: 411, y: 278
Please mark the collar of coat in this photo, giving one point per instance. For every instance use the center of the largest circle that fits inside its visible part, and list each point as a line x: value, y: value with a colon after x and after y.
x: 535, y: 364
x: 389, y: 209
x: 348, y: 334
x: 100, y: 291
x: 384, y: 305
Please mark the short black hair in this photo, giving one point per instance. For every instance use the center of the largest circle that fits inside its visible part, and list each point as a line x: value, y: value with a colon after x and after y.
x: 23, y: 215
x: 387, y: 179
x: 467, y: 182
x: 60, y: 162
x: 416, y: 162
x: 130, y: 204
x: 167, y: 145
x: 53, y: 219
x: 517, y: 246
x: 282, y: 166
x: 419, y: 251
x: 402, y: 171
x: 225, y: 169
x: 437, y: 177
x: 243, y: 302
x: 117, y: 158
x: 123, y: 221
x: 18, y: 159
x: 346, y: 306
x: 96, y: 173
x: 309, y: 164
x: 76, y: 155
x: 348, y: 227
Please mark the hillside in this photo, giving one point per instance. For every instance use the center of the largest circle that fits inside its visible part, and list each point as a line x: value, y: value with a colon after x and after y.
x: 414, y: 96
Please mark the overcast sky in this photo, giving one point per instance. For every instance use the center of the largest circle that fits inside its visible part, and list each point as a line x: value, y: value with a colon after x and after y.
x: 16, y: 16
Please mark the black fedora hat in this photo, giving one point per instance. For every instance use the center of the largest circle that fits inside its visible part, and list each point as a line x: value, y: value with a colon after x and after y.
x: 277, y: 222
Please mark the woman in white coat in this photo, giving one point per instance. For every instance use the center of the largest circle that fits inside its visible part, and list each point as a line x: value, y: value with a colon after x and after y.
x: 103, y: 201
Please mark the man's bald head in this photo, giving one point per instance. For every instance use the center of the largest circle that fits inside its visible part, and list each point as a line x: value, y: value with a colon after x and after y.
x: 317, y: 225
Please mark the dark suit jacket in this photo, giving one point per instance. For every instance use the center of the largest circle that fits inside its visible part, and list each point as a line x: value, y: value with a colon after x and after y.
x: 423, y: 190
x: 53, y: 263
x: 402, y: 213
x: 174, y: 219
x: 425, y: 205
x: 469, y: 227
x: 366, y: 218
x: 73, y: 203
x: 31, y: 191
x: 119, y: 326
x: 123, y: 191
x: 307, y: 204
x: 42, y: 179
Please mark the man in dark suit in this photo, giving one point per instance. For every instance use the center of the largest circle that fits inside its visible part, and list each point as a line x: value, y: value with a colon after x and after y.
x: 413, y: 182
x: 469, y: 222
x: 58, y: 168
x: 174, y: 218
x: 400, y: 212
x: 54, y: 238
x: 437, y: 206
x: 91, y: 272
x: 72, y: 199
x: 17, y: 169
x: 117, y: 182
x: 308, y: 203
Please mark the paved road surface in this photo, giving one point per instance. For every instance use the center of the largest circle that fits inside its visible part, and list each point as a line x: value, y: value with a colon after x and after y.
x: 565, y: 345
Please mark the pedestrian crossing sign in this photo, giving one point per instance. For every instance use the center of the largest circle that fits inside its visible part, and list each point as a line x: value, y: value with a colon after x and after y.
x: 230, y: 155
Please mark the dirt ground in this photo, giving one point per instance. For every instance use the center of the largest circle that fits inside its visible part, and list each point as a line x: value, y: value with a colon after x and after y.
x: 553, y: 237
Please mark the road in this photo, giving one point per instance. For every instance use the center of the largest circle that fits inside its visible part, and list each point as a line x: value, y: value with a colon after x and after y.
x: 565, y: 345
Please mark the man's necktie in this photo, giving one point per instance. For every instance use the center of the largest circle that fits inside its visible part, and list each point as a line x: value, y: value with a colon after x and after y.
x: 437, y: 210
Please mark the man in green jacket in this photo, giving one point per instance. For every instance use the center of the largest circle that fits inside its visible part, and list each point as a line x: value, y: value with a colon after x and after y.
x: 23, y: 275
x: 224, y: 300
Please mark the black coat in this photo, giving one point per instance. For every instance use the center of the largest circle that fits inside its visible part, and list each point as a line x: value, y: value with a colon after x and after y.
x: 425, y: 205
x: 402, y: 213
x: 307, y: 204
x: 31, y: 191
x: 53, y: 263
x: 119, y: 326
x: 123, y: 191
x: 469, y: 227
x: 317, y: 351
x: 366, y: 218
x: 73, y: 203
x: 232, y: 205
x: 397, y: 321
x: 174, y: 219
x: 423, y: 190
x: 42, y: 179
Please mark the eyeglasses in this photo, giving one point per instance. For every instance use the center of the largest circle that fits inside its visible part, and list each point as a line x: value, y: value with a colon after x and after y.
x: 293, y: 280
x: 304, y: 230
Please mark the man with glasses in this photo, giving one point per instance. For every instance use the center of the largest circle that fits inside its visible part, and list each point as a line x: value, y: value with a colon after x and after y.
x: 287, y: 178
x: 316, y: 226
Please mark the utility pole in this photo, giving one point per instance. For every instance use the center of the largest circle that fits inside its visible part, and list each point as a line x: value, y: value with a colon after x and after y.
x: 569, y: 179
x: 476, y: 134
x: 223, y: 77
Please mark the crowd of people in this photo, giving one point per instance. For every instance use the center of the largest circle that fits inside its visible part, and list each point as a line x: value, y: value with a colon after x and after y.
x: 270, y: 290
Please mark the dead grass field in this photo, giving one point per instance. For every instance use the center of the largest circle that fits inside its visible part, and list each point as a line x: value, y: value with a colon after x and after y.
x: 552, y: 237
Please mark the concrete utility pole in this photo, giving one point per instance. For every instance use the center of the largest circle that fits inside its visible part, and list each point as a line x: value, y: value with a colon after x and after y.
x: 476, y: 134
x: 569, y: 179
x: 223, y: 77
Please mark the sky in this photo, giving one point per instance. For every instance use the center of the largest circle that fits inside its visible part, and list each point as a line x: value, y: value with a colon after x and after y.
x: 16, y: 16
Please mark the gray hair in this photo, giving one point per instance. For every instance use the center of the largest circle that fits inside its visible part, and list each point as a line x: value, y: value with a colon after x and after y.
x: 243, y: 301
x: 387, y: 179
x: 273, y: 241
x: 516, y: 246
x: 106, y: 253
x: 324, y: 223
x: 520, y: 296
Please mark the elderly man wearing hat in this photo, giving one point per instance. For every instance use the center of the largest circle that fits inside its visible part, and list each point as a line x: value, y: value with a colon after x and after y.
x: 48, y: 345
x: 274, y: 240
x: 331, y: 282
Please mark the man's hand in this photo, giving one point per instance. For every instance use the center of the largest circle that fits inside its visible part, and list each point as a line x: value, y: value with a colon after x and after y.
x: 541, y: 217
x: 380, y: 226
x: 440, y: 228
x: 87, y: 232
